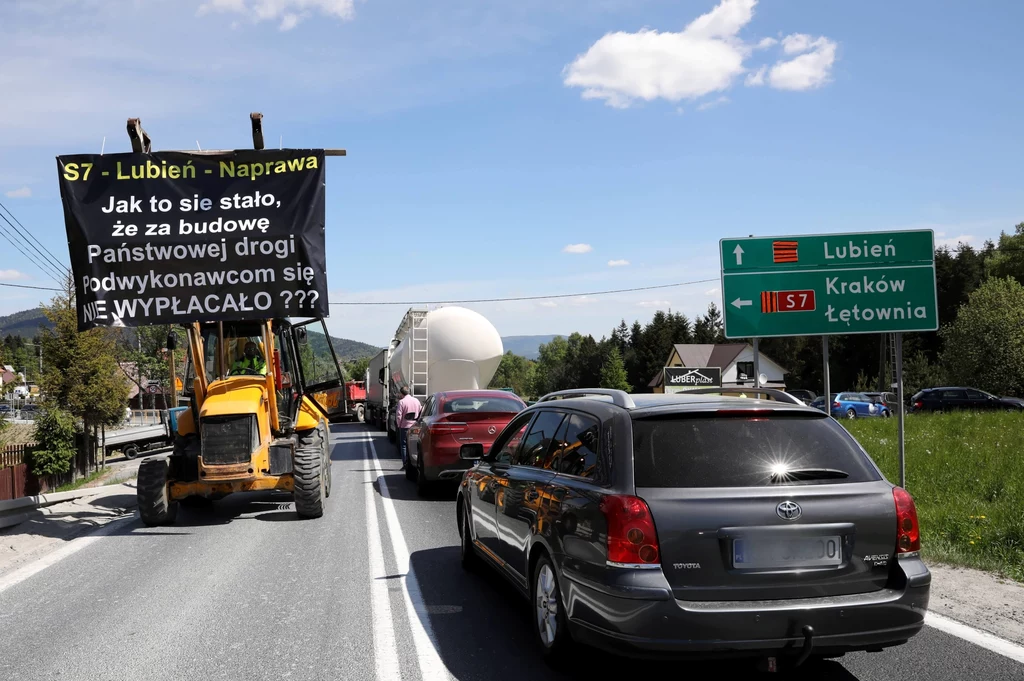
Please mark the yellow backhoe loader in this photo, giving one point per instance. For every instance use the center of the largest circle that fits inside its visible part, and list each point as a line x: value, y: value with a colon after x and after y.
x: 253, y: 420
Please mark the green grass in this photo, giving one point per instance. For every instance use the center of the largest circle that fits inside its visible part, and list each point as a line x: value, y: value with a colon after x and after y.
x: 966, y: 474
x: 81, y: 482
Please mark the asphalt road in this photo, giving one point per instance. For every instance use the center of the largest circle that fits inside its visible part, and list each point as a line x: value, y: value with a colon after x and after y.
x: 246, y: 590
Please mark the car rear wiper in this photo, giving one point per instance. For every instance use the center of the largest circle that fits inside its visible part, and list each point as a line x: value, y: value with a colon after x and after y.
x: 809, y: 474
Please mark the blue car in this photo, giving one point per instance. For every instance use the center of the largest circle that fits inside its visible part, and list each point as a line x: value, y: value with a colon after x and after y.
x: 855, y: 405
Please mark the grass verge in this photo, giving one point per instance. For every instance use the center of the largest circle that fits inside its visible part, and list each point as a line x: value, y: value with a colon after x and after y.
x: 82, y: 482
x: 966, y: 474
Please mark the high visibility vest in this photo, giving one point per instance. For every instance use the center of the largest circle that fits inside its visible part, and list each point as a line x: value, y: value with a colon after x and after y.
x: 255, y: 363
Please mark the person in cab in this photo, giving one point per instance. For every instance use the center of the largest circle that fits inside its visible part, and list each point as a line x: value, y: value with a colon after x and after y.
x: 251, y: 363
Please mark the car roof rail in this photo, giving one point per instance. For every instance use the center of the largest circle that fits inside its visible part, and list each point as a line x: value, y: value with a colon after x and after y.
x: 620, y: 398
x: 778, y: 395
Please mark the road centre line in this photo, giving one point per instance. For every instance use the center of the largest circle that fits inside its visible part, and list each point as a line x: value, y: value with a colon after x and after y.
x: 385, y: 652
x: 978, y: 637
x: 432, y: 668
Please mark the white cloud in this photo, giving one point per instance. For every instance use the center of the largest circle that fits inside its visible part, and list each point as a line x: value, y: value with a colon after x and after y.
x: 756, y: 78
x: 22, y: 193
x: 618, y: 263
x: 713, y: 292
x: 713, y: 103
x: 654, y: 303
x: 548, y: 303
x: 807, y: 71
x: 953, y: 242
x: 12, y: 275
x: 290, y: 12
x: 577, y: 248
x: 705, y: 57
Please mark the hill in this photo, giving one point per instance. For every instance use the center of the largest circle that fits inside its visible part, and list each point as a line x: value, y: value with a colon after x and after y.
x: 526, y: 346
x: 27, y: 322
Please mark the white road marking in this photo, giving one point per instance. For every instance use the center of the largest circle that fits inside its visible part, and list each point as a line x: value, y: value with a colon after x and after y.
x: 73, y: 546
x: 385, y: 652
x: 431, y: 666
x: 975, y: 636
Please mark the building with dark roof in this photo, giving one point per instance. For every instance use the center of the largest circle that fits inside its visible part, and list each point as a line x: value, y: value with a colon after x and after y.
x: 736, y: 360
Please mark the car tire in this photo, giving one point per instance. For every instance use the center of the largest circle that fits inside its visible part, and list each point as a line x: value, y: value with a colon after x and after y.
x: 550, y: 624
x: 470, y: 559
x: 851, y: 413
x: 422, y: 484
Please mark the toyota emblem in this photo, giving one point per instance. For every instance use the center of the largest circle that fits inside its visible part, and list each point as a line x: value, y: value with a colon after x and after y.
x: 491, y: 430
x: 789, y: 510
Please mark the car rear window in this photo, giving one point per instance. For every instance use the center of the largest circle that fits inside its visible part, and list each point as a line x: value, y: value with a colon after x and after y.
x: 482, y: 404
x: 745, y: 451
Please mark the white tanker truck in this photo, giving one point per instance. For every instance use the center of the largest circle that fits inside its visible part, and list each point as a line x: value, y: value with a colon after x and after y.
x: 450, y: 348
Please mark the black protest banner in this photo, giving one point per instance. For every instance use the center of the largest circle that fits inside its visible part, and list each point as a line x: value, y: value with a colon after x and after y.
x: 174, y: 237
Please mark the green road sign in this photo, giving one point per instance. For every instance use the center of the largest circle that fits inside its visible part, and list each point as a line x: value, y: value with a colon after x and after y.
x: 831, y: 284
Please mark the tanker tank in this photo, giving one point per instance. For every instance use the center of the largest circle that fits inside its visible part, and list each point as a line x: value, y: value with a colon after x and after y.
x: 451, y: 348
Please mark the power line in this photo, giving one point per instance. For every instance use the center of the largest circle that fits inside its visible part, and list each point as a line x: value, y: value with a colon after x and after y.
x: 40, y: 288
x: 519, y: 298
x: 42, y: 268
x: 48, y: 254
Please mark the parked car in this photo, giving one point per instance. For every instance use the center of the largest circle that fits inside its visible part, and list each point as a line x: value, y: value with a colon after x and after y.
x: 451, y: 421
x: 888, y: 402
x: 819, y: 402
x: 695, y: 524
x: 852, y: 405
x: 959, y: 398
x: 807, y: 396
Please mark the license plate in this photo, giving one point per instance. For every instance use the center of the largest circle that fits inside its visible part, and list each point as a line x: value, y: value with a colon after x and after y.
x: 795, y: 552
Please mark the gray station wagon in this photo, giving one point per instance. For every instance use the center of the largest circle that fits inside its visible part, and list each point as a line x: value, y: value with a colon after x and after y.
x: 695, y: 525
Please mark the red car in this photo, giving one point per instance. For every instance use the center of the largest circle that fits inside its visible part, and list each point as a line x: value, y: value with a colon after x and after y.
x: 453, y: 420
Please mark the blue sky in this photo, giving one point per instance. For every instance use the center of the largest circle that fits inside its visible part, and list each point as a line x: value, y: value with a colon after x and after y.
x: 484, y: 138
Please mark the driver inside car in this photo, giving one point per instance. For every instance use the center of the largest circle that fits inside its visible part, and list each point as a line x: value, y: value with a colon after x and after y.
x: 251, y: 364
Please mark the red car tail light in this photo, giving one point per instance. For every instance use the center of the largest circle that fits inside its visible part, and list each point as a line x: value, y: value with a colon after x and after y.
x: 448, y: 428
x: 632, y: 538
x: 908, y: 531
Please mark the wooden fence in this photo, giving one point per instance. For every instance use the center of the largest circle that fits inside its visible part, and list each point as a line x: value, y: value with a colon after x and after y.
x: 15, y: 480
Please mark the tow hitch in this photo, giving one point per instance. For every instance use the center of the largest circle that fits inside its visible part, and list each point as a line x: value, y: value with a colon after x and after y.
x: 771, y: 664
x: 808, y: 632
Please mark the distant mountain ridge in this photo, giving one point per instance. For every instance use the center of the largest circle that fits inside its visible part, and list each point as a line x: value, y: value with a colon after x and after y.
x: 28, y: 322
x: 527, y: 346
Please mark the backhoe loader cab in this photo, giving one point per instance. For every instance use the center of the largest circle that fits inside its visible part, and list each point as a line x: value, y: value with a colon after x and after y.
x: 254, y: 420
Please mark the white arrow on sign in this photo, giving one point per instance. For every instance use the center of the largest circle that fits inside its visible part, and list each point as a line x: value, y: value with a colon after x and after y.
x: 739, y: 303
x: 739, y: 254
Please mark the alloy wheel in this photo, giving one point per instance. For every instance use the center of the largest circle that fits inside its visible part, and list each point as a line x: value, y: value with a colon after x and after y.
x: 546, y: 606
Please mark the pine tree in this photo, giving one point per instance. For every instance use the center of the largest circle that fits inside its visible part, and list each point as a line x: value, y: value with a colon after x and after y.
x: 613, y: 371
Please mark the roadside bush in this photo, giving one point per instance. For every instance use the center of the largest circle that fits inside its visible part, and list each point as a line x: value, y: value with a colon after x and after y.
x: 55, y: 435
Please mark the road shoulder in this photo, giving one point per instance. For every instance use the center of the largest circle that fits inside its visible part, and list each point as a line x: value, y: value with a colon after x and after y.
x: 980, y: 600
x: 46, y: 529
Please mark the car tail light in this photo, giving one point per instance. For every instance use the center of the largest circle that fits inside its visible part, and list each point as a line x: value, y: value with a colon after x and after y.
x: 632, y: 538
x: 836, y: 405
x: 918, y: 405
x: 908, y: 531
x: 448, y: 428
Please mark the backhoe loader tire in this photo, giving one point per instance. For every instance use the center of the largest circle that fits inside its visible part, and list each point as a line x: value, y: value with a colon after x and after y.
x: 310, y: 473
x: 153, y: 493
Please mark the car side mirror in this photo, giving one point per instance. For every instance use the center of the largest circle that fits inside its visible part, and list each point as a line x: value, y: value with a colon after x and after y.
x: 471, y: 452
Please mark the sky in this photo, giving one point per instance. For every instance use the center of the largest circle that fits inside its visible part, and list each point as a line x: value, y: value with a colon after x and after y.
x: 537, y: 147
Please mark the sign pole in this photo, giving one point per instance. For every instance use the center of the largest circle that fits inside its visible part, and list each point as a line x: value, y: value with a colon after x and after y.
x: 824, y: 357
x: 757, y: 366
x: 174, y: 383
x: 899, y: 400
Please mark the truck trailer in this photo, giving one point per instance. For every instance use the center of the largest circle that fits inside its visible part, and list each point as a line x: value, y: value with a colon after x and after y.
x: 450, y: 348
